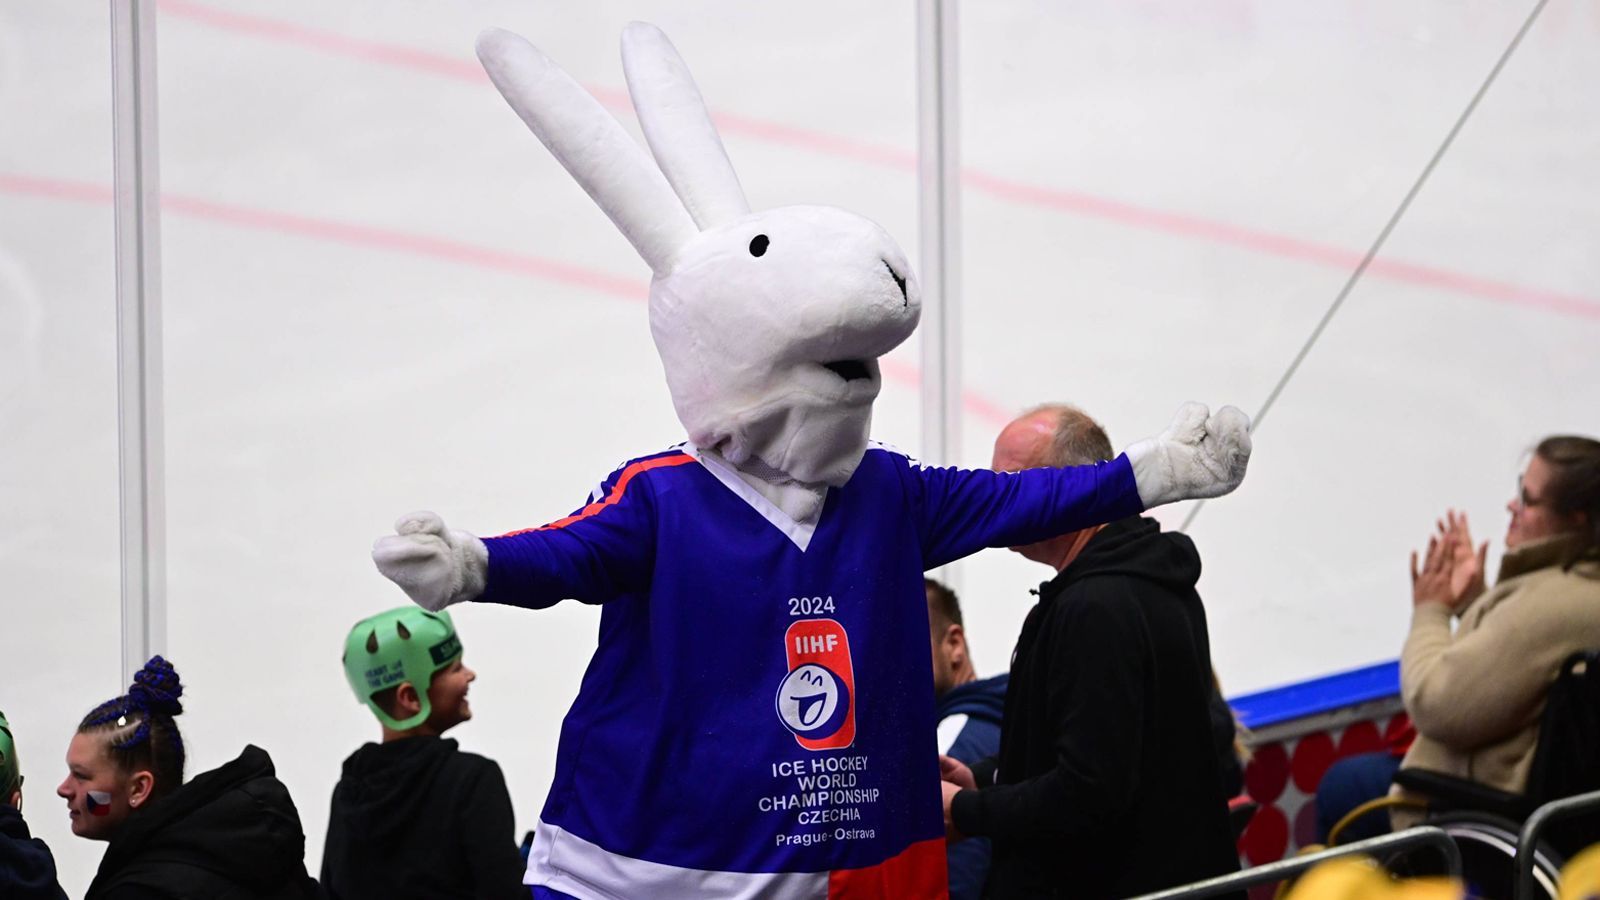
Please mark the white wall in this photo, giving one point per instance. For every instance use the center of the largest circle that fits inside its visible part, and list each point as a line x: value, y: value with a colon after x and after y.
x: 382, y: 294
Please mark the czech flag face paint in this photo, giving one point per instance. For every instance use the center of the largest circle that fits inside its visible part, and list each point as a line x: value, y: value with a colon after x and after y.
x: 99, y: 803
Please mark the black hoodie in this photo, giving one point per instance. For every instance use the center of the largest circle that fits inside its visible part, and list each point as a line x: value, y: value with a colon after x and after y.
x: 1108, y: 777
x: 27, y: 870
x: 228, y: 834
x: 417, y: 817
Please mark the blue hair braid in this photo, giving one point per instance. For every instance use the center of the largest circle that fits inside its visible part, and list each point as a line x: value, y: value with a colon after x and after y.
x: 148, y: 707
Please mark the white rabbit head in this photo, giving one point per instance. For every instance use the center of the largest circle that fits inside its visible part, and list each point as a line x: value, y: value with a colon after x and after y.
x: 769, y: 324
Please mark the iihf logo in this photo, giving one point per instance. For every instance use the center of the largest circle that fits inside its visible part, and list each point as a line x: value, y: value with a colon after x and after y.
x: 815, y: 699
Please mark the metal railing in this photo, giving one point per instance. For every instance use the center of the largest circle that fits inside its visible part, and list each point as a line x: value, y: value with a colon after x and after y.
x: 1425, y: 835
x: 1533, y: 829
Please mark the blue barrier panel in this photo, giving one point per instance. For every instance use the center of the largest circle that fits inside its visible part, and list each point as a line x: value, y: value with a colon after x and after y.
x: 1317, y: 696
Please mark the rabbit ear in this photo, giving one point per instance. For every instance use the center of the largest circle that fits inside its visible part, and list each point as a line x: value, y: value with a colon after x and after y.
x: 678, y: 127
x: 590, y: 145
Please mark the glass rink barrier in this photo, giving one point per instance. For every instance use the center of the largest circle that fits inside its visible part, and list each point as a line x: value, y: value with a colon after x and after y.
x: 1299, y: 731
x: 273, y: 275
x: 1296, y: 732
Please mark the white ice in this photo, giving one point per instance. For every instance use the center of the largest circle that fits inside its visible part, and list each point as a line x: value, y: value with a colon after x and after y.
x: 382, y: 294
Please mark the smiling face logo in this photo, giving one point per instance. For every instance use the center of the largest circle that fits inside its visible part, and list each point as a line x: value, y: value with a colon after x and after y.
x: 812, y: 701
x: 815, y: 699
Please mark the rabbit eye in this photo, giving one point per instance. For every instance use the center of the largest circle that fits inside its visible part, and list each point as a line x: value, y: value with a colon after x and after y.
x: 758, y: 245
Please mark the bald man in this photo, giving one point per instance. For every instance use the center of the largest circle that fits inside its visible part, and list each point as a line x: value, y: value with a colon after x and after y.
x: 1108, y: 782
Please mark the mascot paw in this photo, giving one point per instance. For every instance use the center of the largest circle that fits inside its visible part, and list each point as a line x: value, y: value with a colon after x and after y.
x: 1199, y: 455
x: 434, y: 565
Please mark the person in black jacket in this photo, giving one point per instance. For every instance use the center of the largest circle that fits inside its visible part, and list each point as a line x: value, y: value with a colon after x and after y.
x: 969, y: 714
x: 1108, y: 779
x: 229, y: 833
x: 414, y: 816
x: 27, y: 870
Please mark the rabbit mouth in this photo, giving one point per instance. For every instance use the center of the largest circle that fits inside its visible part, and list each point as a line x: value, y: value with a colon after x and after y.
x: 899, y: 282
x: 849, y: 369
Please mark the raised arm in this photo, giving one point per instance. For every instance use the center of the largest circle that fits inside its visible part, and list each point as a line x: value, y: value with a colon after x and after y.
x: 1469, y: 690
x: 602, y: 550
x: 963, y: 511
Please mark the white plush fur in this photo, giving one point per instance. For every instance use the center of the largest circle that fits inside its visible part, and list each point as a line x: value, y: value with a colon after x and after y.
x: 745, y: 338
x: 590, y: 144
x: 742, y: 338
x: 435, y: 566
x: 1199, y: 455
x: 678, y: 128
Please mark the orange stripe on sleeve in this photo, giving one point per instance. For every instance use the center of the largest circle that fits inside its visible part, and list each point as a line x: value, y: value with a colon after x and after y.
x: 615, y: 494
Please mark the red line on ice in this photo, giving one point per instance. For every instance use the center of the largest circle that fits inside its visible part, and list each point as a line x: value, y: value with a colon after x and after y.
x: 1077, y: 203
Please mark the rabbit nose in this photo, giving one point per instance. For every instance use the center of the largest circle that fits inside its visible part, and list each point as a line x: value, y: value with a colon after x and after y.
x: 899, y: 283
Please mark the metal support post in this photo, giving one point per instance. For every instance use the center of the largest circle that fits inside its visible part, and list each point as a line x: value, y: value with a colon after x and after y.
x: 139, y: 386
x: 939, y: 193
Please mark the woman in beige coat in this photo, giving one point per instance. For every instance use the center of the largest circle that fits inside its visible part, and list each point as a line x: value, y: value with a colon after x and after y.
x: 1476, y: 695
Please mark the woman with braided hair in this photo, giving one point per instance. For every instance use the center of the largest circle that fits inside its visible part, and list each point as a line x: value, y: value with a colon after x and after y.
x: 233, y: 831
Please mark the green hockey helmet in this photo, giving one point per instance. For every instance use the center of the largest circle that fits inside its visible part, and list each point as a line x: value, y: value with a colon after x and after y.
x: 10, y: 773
x: 390, y: 648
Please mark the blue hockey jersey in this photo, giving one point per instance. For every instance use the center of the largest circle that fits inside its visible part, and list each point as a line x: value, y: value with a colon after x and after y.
x: 758, y: 718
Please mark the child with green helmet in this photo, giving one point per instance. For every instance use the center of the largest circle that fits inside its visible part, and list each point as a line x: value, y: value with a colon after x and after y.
x: 27, y: 870
x: 413, y: 815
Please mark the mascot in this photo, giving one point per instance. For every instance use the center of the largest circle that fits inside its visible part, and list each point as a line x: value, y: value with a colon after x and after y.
x: 758, y: 719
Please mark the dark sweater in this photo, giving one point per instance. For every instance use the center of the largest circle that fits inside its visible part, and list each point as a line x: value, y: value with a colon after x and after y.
x: 27, y: 870
x: 983, y: 702
x: 1108, y: 778
x: 417, y: 817
x: 229, y: 834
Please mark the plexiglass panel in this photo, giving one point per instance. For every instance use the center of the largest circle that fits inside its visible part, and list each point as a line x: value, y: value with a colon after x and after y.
x: 58, y: 399
x: 383, y: 294
x: 1164, y: 198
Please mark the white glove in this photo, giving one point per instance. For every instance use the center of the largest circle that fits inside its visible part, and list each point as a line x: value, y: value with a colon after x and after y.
x: 435, y: 566
x: 1199, y: 455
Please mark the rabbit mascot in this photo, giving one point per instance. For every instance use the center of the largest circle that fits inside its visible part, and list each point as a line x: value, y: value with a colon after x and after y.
x: 758, y: 718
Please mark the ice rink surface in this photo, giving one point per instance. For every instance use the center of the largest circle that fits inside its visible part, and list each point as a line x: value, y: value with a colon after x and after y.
x: 382, y: 294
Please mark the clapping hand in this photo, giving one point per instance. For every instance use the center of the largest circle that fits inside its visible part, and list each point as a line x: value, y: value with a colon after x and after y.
x: 1452, y: 570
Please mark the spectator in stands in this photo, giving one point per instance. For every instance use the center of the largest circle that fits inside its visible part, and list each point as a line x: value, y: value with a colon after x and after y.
x: 1108, y: 780
x: 230, y: 832
x: 1475, y: 695
x: 1358, y: 779
x: 413, y: 816
x: 969, y: 722
x: 27, y: 870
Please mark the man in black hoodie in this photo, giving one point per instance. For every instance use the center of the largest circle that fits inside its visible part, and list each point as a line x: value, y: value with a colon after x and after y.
x: 1108, y: 781
x: 27, y: 870
x: 414, y: 816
